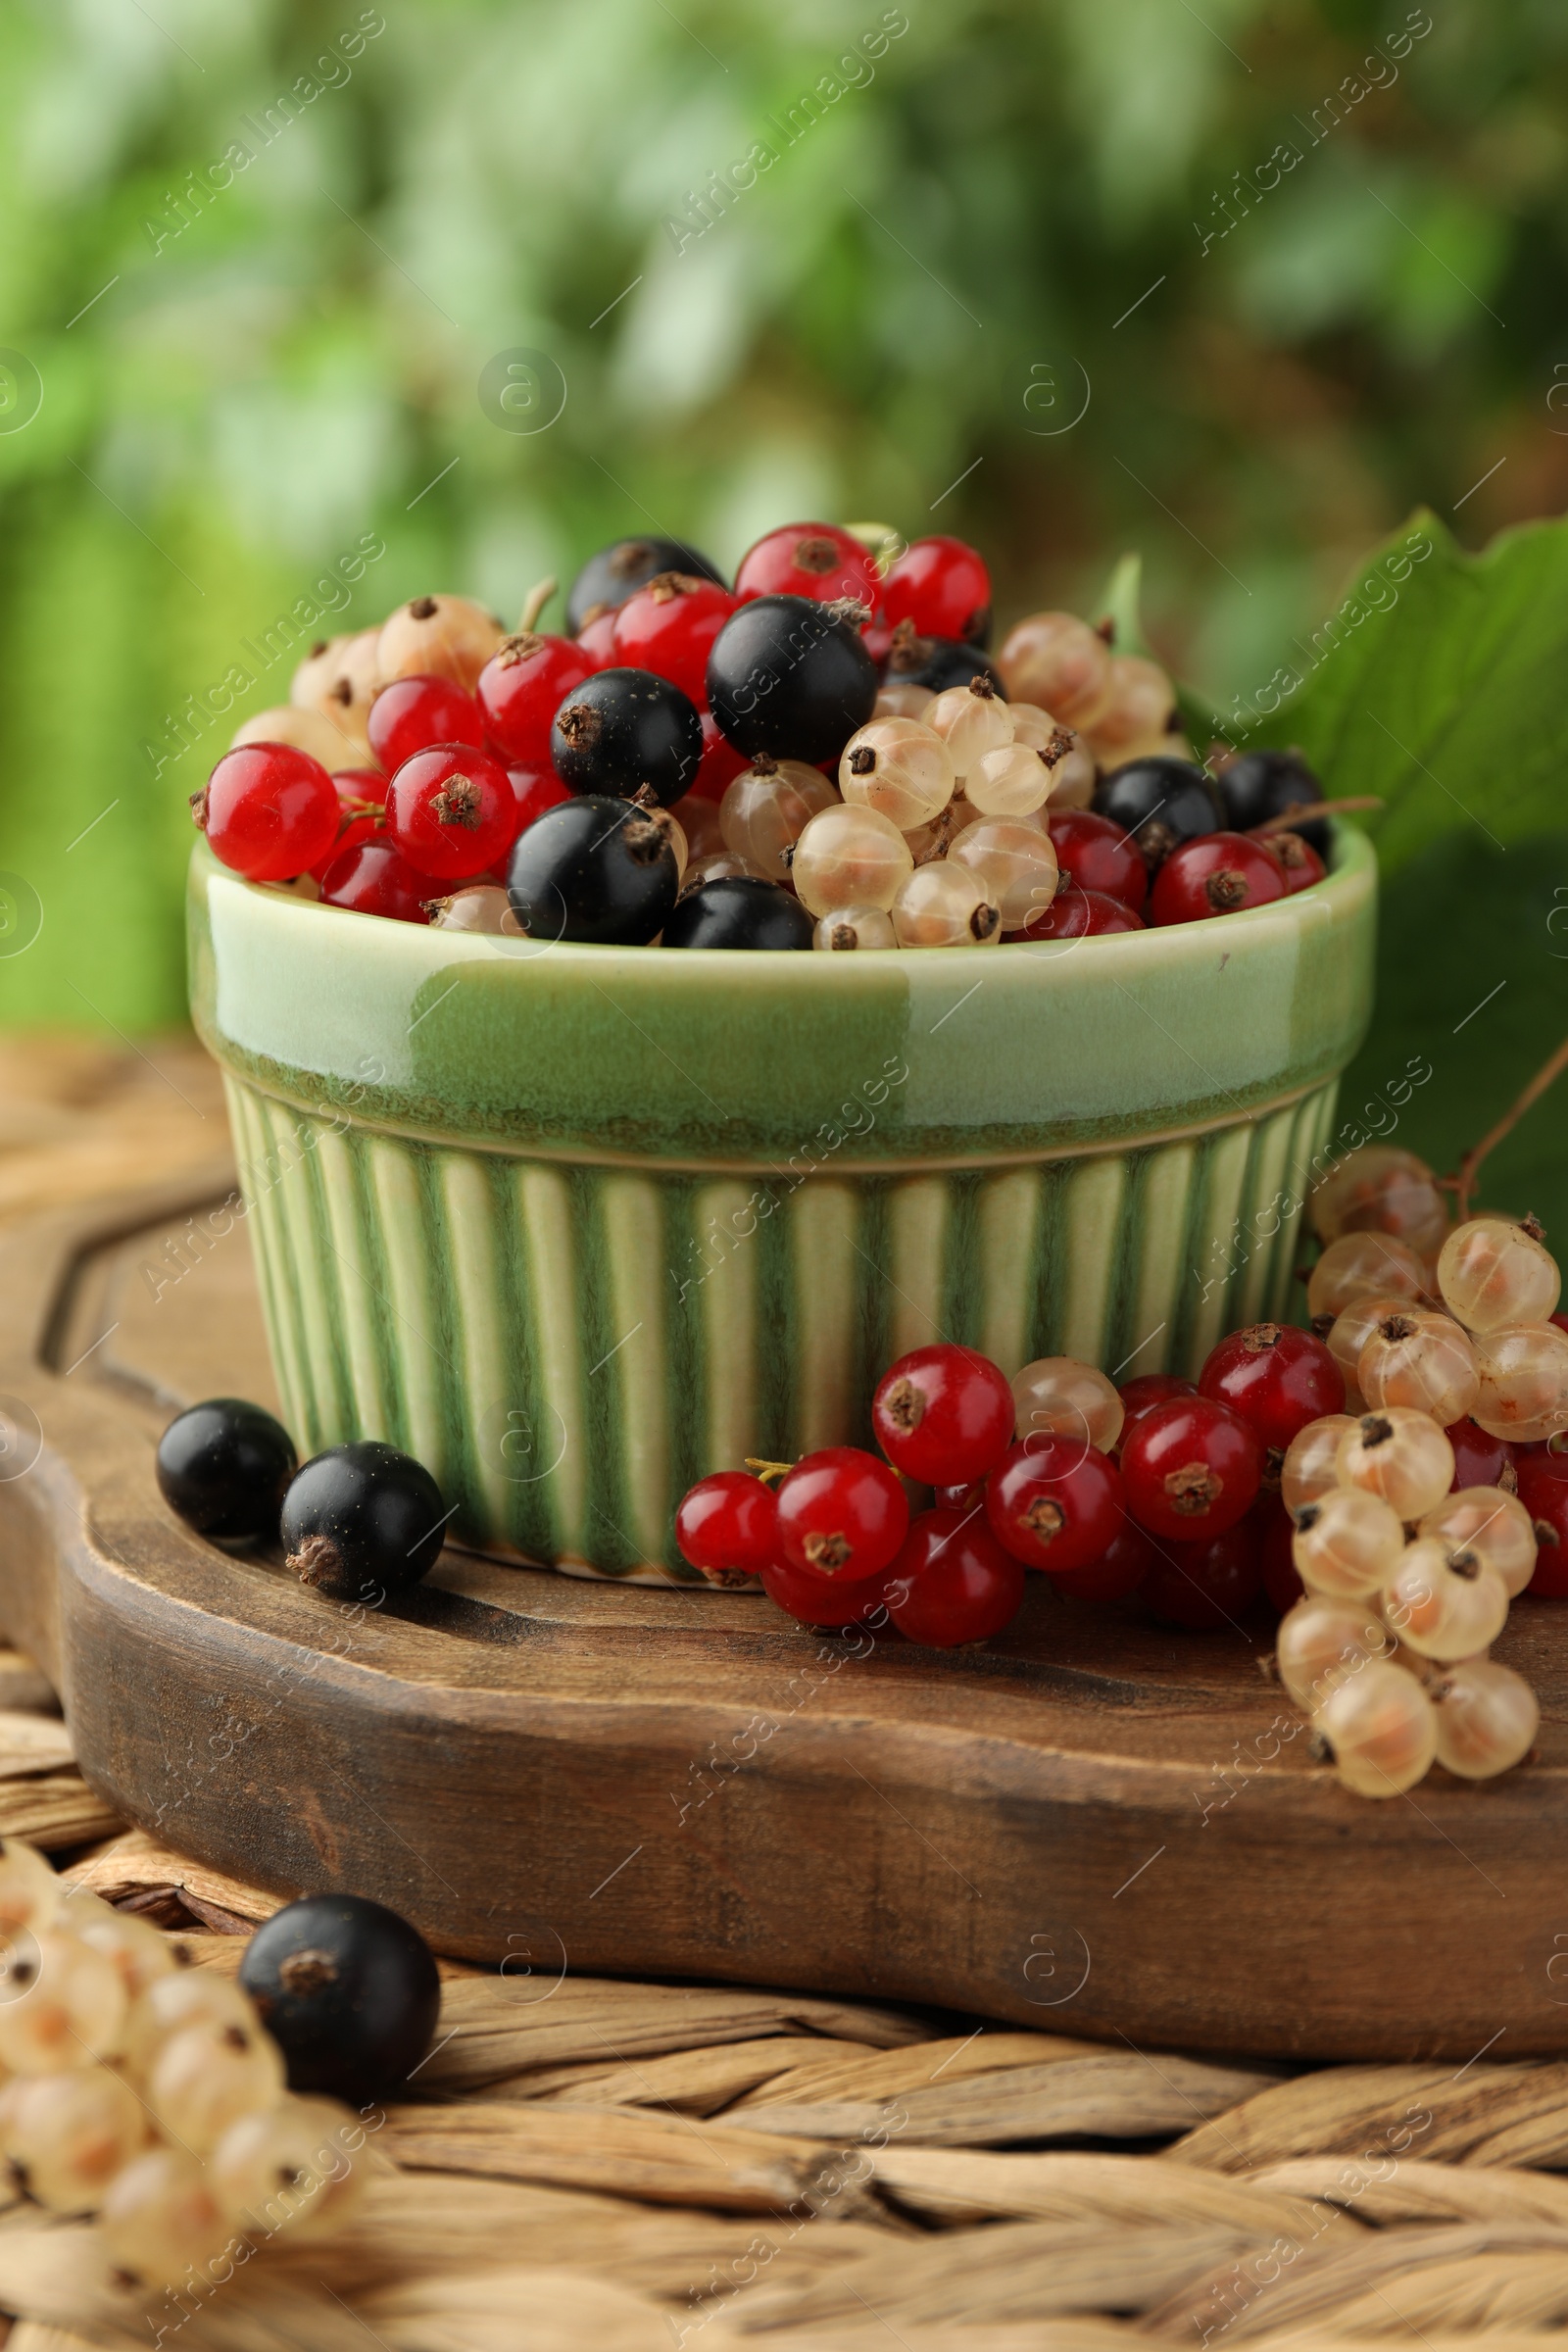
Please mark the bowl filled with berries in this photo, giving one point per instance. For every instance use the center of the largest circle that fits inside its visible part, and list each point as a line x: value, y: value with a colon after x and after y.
x: 574, y: 1219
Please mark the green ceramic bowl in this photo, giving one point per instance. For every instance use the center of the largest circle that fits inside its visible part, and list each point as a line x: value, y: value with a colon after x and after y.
x: 577, y: 1225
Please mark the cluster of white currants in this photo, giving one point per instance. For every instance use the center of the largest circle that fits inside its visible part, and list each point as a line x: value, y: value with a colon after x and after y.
x: 935, y: 835
x: 1408, y: 1582
x: 148, y: 2094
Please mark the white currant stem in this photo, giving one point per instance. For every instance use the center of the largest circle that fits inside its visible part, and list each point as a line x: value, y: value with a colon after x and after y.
x: 534, y: 603
x: 1462, y: 1183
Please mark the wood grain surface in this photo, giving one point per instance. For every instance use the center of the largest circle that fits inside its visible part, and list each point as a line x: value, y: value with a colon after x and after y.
x: 1089, y: 1825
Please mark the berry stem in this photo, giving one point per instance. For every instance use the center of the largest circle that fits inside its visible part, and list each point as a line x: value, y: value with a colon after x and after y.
x: 1291, y: 817
x: 1462, y: 1183
x: 533, y: 604
x: 769, y: 1473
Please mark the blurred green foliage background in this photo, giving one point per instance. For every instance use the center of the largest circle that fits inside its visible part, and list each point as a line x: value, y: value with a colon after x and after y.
x: 1038, y: 271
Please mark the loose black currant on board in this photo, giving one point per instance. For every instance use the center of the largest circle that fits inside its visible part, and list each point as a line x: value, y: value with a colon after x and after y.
x: 223, y: 1467
x: 937, y: 661
x: 596, y: 870
x: 363, y: 1522
x: 738, y: 912
x: 348, y: 1990
x: 606, y: 579
x: 791, y: 678
x: 1161, y: 803
x: 1259, y: 785
x: 625, y: 728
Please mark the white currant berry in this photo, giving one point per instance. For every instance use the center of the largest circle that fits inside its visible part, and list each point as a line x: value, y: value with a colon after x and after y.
x: 1492, y: 1527
x: 482, y: 907
x: 339, y: 680
x: 698, y: 818
x: 895, y: 700
x: 1419, y: 1358
x: 162, y: 2218
x: 1494, y: 1272
x: 1487, y: 1717
x: 851, y: 927
x: 1140, y: 712
x: 1013, y: 782
x: 1349, y: 1332
x: 1365, y: 1265
x: 946, y: 906
x: 767, y: 808
x: 136, y: 1949
x: 1380, y: 1728
x: 438, y: 637
x: 62, y: 2005
x: 1074, y: 779
x: 66, y: 2136
x: 1382, y: 1189
x: 206, y: 2077
x: 849, y: 856
x: 1400, y: 1454
x: 31, y: 1893
x: 972, y: 720
x: 309, y: 731
x: 1015, y: 860
x: 1034, y: 727
x: 1346, y: 1544
x: 1523, y: 1372
x: 1443, y: 1603
x: 300, y: 2166
x: 1321, y: 1642
x: 718, y: 866
x: 1309, y: 1468
x: 191, y: 1997
x: 900, y: 769
x: 1056, y: 1393
x: 1059, y: 662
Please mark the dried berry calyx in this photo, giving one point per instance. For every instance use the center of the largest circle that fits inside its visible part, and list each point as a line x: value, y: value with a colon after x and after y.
x: 816, y: 555
x: 522, y: 645
x: 1260, y: 1338
x: 1376, y: 1431
x: 1396, y: 1327
x: 198, y: 809
x: 1045, y: 1519
x: 317, y: 1560
x: 863, y: 760
x: 827, y: 1554
x: 905, y: 1405
x: 456, y: 802
x: 1193, y: 1488
x: 423, y: 608
x: 309, y: 1970
x: 1225, y: 889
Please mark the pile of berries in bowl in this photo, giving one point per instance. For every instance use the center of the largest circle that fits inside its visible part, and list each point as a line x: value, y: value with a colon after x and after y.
x: 1390, y: 1481
x: 824, y: 755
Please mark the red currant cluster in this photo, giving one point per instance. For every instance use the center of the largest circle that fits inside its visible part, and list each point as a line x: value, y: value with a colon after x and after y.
x: 822, y: 756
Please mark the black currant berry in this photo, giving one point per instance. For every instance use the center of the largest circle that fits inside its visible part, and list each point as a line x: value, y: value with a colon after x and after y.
x: 223, y: 1467
x: 606, y: 579
x: 625, y: 728
x: 1259, y: 785
x: 594, y: 869
x: 363, y: 1522
x: 790, y: 678
x: 739, y: 911
x: 349, y: 1992
x: 1161, y: 802
x: 937, y: 661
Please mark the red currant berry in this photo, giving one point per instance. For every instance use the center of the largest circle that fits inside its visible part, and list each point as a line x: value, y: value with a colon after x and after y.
x: 268, y: 811
x: 520, y: 689
x: 1281, y: 1581
x: 452, y: 810
x: 413, y: 713
x: 1480, y: 1460
x: 961, y: 1497
x: 1276, y: 1377
x: 1149, y: 1388
x: 1192, y: 1467
x: 355, y: 827
x: 1205, y: 1586
x: 829, y: 1603
x: 721, y: 762
x: 728, y: 1522
x: 1544, y: 1492
x: 374, y: 878
x: 669, y: 627
x: 951, y: 1582
x: 596, y: 640
x: 808, y: 559
x: 1054, y: 1503
x: 841, y: 1513
x: 358, y: 784
x: 1098, y: 856
x: 1219, y: 873
x: 944, y: 1415
x: 1117, y: 1574
x: 1296, y: 860
x: 535, y: 788
x: 1076, y: 913
x: 942, y: 586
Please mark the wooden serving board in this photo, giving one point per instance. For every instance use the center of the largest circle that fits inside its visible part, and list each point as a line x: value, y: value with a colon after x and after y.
x: 1089, y: 1824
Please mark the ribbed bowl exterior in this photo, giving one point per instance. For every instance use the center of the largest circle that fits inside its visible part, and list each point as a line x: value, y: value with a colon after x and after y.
x: 568, y: 1348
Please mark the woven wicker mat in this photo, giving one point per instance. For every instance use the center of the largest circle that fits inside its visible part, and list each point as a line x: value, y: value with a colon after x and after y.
x: 597, y: 2165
